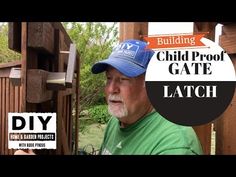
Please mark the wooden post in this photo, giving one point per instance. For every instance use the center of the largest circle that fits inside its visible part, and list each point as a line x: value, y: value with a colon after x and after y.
x: 57, y: 104
x: 133, y: 30
x: 41, y: 36
x: 225, y: 125
x: 23, y: 65
x: 14, y: 36
x: 36, y: 86
x: 62, y: 138
x: 77, y: 109
x: 204, y: 131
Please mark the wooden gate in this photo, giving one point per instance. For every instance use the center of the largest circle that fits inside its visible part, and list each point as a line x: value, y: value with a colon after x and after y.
x: 43, y: 81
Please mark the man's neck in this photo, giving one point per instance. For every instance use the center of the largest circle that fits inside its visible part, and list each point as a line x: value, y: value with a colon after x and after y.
x: 124, y: 124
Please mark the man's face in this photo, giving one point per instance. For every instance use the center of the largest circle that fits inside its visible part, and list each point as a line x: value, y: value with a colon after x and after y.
x: 126, y: 97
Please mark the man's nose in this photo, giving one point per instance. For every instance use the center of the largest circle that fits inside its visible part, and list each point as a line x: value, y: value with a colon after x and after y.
x: 113, y: 87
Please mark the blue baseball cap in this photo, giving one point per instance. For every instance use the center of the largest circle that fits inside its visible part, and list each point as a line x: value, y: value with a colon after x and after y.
x: 130, y: 57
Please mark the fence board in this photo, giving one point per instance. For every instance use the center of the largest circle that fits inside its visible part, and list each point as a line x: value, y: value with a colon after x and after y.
x: 228, y: 43
x: 6, y: 115
x: 3, y: 114
x: 11, y: 106
x: 16, y: 94
x: 1, y: 118
x: 225, y: 127
x: 4, y: 72
x: 70, y: 111
x: 23, y: 66
x: 204, y: 131
x: 10, y: 64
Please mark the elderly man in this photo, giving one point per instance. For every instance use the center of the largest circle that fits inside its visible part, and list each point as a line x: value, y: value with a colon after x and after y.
x: 136, y: 128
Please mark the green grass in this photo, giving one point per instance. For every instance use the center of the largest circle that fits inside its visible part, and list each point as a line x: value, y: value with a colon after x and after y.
x: 91, y: 135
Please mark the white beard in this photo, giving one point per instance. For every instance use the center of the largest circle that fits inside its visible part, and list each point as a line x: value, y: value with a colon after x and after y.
x: 117, y: 111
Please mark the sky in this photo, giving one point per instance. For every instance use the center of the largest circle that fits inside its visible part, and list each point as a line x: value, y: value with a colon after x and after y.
x: 173, y: 27
x: 169, y: 27
x: 176, y: 27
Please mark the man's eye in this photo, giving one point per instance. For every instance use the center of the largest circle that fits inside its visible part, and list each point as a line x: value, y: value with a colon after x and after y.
x: 124, y: 79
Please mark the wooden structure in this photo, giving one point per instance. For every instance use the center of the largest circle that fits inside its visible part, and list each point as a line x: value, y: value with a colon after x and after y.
x: 42, y: 81
x: 204, y: 131
x: 225, y: 125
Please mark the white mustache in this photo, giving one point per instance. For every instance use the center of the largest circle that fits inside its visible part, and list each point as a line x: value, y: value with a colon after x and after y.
x: 115, y: 98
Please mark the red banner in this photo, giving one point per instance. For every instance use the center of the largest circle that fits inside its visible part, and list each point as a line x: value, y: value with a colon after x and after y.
x: 175, y: 41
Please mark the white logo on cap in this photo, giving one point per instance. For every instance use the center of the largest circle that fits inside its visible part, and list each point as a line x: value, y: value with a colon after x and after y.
x: 125, y: 50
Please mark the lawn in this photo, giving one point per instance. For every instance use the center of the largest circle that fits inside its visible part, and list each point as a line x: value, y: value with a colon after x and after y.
x: 91, y: 137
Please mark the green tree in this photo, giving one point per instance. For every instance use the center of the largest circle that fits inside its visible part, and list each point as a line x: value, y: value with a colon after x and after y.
x: 6, y: 55
x: 94, y: 42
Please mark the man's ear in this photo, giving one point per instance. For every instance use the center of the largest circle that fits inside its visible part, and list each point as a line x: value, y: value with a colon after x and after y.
x: 144, y: 85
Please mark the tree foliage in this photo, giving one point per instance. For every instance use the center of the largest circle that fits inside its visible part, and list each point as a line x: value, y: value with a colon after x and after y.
x: 94, y: 42
x: 6, y: 55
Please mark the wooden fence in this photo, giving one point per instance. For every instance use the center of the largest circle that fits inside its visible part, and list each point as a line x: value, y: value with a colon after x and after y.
x: 10, y: 102
x: 46, y: 52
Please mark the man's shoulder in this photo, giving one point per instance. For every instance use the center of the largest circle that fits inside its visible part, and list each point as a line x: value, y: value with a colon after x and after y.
x: 173, y: 131
x: 112, y: 120
x: 179, y: 138
x: 171, y: 126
